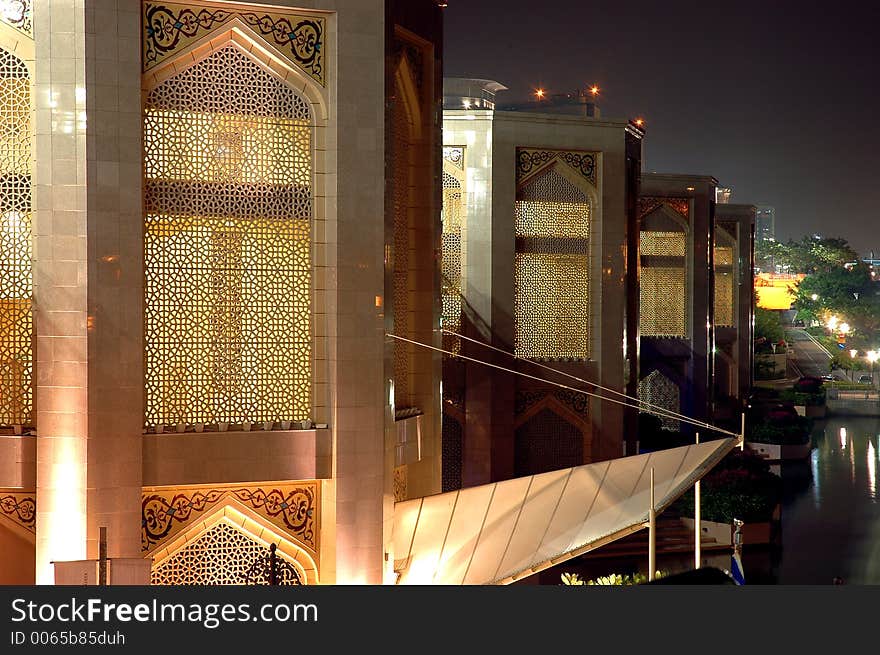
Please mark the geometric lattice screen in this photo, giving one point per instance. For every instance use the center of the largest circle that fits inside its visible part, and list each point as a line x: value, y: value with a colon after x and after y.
x: 228, y: 204
x: 454, y: 209
x: 663, y: 284
x: 223, y: 556
x: 404, y: 241
x: 547, y: 442
x: 16, y: 275
x: 725, y: 287
x: 552, y: 269
x: 657, y: 389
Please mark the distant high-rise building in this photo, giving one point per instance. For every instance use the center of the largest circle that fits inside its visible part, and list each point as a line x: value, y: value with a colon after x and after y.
x: 722, y: 195
x: 765, y: 224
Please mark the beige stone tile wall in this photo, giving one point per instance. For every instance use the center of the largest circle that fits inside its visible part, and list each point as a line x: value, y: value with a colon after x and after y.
x: 60, y: 283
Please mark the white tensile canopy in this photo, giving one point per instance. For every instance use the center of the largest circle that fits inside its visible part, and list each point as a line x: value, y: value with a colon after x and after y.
x: 501, y: 532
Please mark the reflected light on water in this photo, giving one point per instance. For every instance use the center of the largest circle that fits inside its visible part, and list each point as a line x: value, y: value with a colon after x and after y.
x: 872, y: 470
x: 852, y: 463
x: 814, y: 469
x: 843, y: 437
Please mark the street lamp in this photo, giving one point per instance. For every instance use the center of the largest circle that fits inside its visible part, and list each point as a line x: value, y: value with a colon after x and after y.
x: 832, y: 323
x: 844, y: 328
x: 815, y: 297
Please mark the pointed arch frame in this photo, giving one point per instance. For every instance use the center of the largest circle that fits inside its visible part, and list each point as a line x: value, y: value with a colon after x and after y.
x: 253, y: 526
x: 323, y: 174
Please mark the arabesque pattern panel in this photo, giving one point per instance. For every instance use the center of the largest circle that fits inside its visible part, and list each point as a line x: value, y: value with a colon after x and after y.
x: 454, y: 213
x: 401, y: 286
x: 552, y: 269
x: 662, y: 312
x: 170, y: 27
x: 19, y: 14
x: 16, y: 273
x: 659, y: 390
x: 223, y: 556
x: 228, y: 165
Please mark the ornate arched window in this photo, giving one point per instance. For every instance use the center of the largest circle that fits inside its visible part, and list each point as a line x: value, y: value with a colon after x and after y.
x: 547, y: 442
x: 225, y: 555
x: 657, y: 389
x: 16, y: 274
x: 228, y: 214
x: 552, y: 268
x: 663, y: 250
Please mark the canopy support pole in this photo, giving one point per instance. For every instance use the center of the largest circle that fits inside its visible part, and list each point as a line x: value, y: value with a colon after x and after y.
x: 652, y: 533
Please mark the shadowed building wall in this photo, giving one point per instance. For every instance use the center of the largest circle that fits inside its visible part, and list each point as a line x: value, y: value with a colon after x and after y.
x: 539, y: 231
x: 677, y: 222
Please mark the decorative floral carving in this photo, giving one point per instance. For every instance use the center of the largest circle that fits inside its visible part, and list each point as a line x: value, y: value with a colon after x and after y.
x: 292, y: 507
x: 168, y: 27
x: 454, y: 155
x: 649, y: 204
x: 19, y: 507
x: 530, y: 161
x: 19, y: 14
x: 577, y: 402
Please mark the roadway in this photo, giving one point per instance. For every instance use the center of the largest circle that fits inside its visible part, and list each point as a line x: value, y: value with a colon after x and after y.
x: 809, y: 357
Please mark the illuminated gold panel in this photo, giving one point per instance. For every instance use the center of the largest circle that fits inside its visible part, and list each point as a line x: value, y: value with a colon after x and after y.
x: 227, y: 249
x: 454, y: 211
x: 663, y: 244
x: 552, y: 310
x: 662, y: 299
x: 724, y: 299
x: 725, y: 287
x: 552, y: 207
x: 552, y: 270
x: 16, y: 275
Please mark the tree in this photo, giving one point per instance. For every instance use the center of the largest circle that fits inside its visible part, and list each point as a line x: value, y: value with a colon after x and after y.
x: 810, y: 255
x: 768, y: 328
x: 846, y: 292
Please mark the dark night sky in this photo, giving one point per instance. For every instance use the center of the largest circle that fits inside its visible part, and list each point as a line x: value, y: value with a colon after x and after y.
x: 773, y: 98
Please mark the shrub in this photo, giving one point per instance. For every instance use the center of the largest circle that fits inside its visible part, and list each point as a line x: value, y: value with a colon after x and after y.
x: 611, y: 580
x: 741, y: 486
x: 803, y: 397
x: 784, y: 435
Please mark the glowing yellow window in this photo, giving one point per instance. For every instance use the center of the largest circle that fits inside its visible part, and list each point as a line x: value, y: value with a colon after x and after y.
x: 228, y: 200
x: 552, y: 269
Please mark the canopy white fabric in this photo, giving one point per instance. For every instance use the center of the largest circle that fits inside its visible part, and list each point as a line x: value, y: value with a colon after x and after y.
x: 497, y: 533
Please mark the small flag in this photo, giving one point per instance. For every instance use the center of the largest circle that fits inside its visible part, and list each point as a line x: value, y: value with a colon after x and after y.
x: 736, y: 569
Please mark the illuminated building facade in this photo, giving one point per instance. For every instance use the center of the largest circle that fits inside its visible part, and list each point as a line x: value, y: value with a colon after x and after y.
x: 212, y: 214
x: 734, y: 309
x: 676, y: 282
x: 539, y: 252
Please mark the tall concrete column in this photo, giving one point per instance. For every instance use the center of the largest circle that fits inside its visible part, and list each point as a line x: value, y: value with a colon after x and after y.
x: 88, y: 279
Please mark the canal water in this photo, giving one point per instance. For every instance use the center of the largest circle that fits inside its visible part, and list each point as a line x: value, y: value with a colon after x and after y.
x: 830, y: 523
x: 829, y: 526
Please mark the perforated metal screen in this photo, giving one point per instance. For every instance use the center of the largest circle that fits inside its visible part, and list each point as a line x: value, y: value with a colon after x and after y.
x: 16, y: 275
x: 228, y: 165
x: 552, y: 269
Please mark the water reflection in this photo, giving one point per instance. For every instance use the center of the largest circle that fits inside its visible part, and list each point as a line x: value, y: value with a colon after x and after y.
x: 872, y: 470
x: 832, y: 526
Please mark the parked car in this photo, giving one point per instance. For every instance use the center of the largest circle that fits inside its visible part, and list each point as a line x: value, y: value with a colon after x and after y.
x: 865, y: 379
x: 833, y: 378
